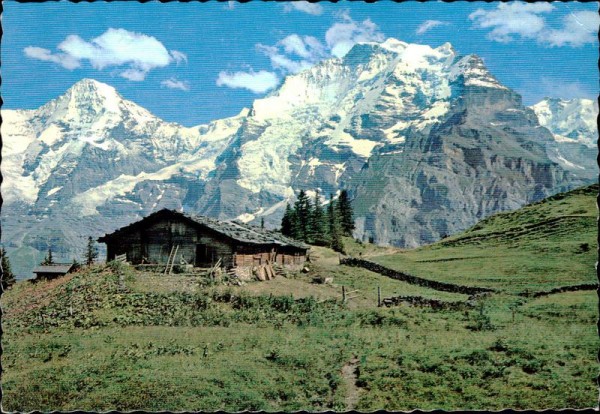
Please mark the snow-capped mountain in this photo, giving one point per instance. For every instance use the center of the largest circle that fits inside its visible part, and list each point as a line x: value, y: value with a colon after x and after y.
x: 91, y: 132
x: 570, y: 120
x: 573, y: 125
x: 426, y: 141
x: 91, y: 153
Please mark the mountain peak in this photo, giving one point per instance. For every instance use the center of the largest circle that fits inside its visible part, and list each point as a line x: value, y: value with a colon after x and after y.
x: 394, y: 45
x: 84, y: 101
x: 91, y: 89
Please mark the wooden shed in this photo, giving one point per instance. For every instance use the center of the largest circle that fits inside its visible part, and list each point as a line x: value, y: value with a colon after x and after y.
x: 201, y: 241
x: 52, y: 271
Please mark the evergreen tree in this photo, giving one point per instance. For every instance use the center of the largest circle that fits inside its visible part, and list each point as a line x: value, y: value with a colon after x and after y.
x: 345, y: 214
x: 262, y: 222
x: 318, y: 223
x: 335, y: 234
x: 302, y: 208
x: 8, y: 278
x: 91, y: 252
x: 288, y: 225
x: 48, y: 260
x: 76, y: 265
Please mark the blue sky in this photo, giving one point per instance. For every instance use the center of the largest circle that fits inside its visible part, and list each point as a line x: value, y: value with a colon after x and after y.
x: 195, y: 62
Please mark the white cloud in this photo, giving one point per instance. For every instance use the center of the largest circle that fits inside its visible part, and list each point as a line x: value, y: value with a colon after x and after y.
x: 525, y: 20
x: 307, y: 48
x: 137, y: 52
x: 132, y: 74
x: 311, y: 8
x: 428, y: 25
x: 173, y: 83
x: 295, y: 53
x: 578, y: 29
x: 178, y: 56
x: 66, y: 61
x: 564, y: 89
x: 257, y: 82
x: 343, y: 35
x: 510, y: 19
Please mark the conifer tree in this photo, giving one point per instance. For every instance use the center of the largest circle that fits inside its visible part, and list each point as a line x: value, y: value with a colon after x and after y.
x: 345, y: 214
x: 48, y: 260
x: 302, y: 209
x: 318, y: 223
x: 8, y: 278
x: 288, y: 224
x: 335, y: 236
x: 91, y: 252
x: 76, y: 265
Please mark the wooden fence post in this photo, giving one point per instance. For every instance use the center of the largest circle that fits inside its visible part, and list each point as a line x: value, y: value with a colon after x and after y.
x: 378, y: 296
x: 343, y: 294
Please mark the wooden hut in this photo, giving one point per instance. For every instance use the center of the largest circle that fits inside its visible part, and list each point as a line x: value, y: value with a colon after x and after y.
x: 201, y: 241
x: 52, y: 271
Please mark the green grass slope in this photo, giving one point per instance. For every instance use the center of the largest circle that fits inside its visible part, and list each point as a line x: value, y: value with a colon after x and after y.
x: 542, y: 246
x: 110, y: 338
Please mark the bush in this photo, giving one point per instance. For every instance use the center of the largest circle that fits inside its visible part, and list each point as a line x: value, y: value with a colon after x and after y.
x: 376, y: 318
x: 481, y: 322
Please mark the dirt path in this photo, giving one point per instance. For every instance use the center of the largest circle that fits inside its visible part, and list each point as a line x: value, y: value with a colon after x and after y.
x: 352, y: 390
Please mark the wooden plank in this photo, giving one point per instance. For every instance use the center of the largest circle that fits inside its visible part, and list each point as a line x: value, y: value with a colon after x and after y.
x: 261, y: 273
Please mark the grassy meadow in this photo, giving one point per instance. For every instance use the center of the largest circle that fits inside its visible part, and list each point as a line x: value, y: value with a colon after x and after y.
x: 111, y: 338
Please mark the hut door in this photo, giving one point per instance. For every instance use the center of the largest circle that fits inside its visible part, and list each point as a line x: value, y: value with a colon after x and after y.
x: 205, y: 255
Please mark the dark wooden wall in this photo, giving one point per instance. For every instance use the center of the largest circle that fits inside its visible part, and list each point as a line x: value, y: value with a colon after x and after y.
x: 153, y: 242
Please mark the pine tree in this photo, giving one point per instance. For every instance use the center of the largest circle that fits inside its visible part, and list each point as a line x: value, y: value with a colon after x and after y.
x: 318, y: 223
x: 262, y: 222
x: 8, y: 278
x: 346, y: 215
x: 302, y: 209
x: 287, y: 222
x: 335, y: 236
x: 76, y: 265
x: 48, y: 260
x: 91, y: 252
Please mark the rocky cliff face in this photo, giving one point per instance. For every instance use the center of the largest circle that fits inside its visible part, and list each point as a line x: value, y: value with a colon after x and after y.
x: 480, y: 160
x: 427, y: 142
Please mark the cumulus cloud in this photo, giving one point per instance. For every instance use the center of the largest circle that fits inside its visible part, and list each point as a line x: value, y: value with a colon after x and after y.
x: 257, y: 82
x: 578, y: 29
x: 173, y: 83
x: 134, y: 53
x: 428, y: 25
x: 294, y: 53
x: 343, y: 35
x: 311, y: 8
x: 66, y: 61
x: 509, y: 21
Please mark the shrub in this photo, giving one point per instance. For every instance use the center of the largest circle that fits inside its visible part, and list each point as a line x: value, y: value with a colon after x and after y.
x: 478, y: 357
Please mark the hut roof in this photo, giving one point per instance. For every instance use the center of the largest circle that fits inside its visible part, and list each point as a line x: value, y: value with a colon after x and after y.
x: 53, y: 268
x: 234, y: 230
